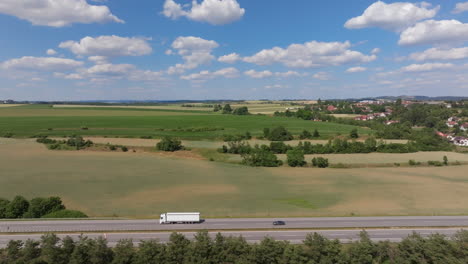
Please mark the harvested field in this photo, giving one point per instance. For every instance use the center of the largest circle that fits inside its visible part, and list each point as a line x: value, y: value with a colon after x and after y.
x: 144, y: 185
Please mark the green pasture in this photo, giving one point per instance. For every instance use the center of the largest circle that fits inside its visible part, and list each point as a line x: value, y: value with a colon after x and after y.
x: 145, y: 185
x: 35, y: 120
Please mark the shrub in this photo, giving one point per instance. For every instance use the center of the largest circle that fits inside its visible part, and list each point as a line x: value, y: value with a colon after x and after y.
x: 17, y: 207
x: 42, y: 206
x: 169, y: 144
x: 227, y: 109
x: 66, y: 214
x: 414, y: 163
x: 124, y: 148
x: 354, y: 133
x: 260, y: 157
x: 305, y: 135
x: 316, y: 134
x: 445, y: 160
x: 241, y: 111
x: 278, y: 134
x: 8, y: 135
x: 112, y: 147
x: 320, y: 162
x: 295, y: 158
x: 435, y: 163
x: 3, y: 207
x: 279, y: 147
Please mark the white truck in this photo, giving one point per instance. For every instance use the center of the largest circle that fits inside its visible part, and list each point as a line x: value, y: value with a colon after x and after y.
x: 180, y: 218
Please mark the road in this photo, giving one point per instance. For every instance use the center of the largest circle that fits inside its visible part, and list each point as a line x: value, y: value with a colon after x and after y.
x: 294, y: 236
x: 231, y: 224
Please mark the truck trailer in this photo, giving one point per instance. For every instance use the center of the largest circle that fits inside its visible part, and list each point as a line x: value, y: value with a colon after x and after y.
x: 180, y: 218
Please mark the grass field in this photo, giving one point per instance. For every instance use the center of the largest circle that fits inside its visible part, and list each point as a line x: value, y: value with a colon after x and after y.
x: 33, y: 120
x: 142, y: 185
x: 254, y: 107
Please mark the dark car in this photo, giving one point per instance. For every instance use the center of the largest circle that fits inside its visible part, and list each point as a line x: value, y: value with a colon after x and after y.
x: 279, y: 223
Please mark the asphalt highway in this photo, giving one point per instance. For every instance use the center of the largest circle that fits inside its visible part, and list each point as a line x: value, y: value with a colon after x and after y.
x: 41, y: 226
x: 294, y: 236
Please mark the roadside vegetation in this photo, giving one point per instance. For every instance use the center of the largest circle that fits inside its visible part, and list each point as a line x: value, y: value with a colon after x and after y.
x: 20, y: 207
x: 221, y: 249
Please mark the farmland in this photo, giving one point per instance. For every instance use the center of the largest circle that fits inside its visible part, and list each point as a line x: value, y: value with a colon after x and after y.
x: 140, y: 185
x: 34, y: 120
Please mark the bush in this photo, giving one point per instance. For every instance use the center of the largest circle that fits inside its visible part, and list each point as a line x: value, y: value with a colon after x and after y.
x: 241, y: 111
x: 17, y: 207
x: 295, y: 158
x: 414, y: 163
x: 169, y: 144
x: 320, y: 162
x: 42, y: 206
x: 354, y: 133
x: 279, y: 147
x: 227, y: 109
x: 305, y: 135
x: 316, y: 134
x: 3, y: 207
x: 435, y: 163
x: 237, y: 137
x: 124, y: 148
x: 260, y: 157
x: 445, y: 159
x: 278, y: 134
x: 66, y: 214
x: 112, y: 147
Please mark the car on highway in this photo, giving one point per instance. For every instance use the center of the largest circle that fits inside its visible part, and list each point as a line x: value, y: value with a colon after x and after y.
x: 279, y: 223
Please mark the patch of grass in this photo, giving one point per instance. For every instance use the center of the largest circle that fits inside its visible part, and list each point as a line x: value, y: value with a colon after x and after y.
x: 299, y: 203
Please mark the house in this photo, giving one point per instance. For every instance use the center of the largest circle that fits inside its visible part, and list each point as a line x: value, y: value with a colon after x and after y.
x: 331, y: 108
x: 440, y: 134
x: 451, y: 124
x: 460, y: 141
x: 464, y: 127
x: 453, y: 119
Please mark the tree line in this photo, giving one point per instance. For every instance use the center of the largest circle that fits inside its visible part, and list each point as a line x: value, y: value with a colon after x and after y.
x: 204, y: 249
x: 39, y: 207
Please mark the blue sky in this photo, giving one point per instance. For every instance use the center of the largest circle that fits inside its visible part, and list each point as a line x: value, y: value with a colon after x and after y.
x: 231, y: 49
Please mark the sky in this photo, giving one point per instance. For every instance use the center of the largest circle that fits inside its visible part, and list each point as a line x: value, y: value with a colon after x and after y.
x: 231, y: 49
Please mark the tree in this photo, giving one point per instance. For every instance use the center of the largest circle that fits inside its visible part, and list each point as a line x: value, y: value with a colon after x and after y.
x: 320, y: 162
x: 169, y: 144
x: 100, y: 253
x: 177, y: 249
x: 3, y: 207
x: 354, y: 133
x: 201, y: 249
x: 279, y: 134
x: 445, y: 161
x: 51, y: 250
x: 17, y: 207
x: 316, y: 134
x: 150, y: 252
x: 42, y: 206
x: 124, y: 252
x: 227, y: 109
x: 217, y: 108
x: 305, y: 135
x: 241, y: 111
x: 260, y: 157
x: 296, y: 158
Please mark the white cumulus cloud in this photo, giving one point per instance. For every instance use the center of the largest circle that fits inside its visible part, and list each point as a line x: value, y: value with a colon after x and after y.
x: 41, y: 64
x: 440, y: 54
x: 208, y: 75
x: 57, y: 13
x: 311, y: 55
x: 51, y: 52
x: 215, y: 12
x: 460, y: 8
x: 323, y: 76
x: 108, y: 46
x: 426, y: 67
x: 435, y: 32
x: 258, y: 74
x: 395, y: 16
x: 230, y: 58
x: 356, y: 69
x: 195, y: 51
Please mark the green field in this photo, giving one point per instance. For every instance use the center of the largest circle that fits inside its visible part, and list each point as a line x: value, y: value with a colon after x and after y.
x: 144, y: 185
x: 34, y: 120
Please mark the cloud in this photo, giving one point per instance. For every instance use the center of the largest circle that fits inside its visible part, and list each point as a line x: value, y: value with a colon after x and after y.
x: 215, y: 12
x: 258, y: 74
x: 375, y: 51
x: 107, y: 72
x: 194, y: 50
x: 440, y: 54
x: 395, y: 16
x: 230, y: 58
x: 208, y: 75
x: 51, y: 52
x: 108, y: 46
x: 324, y: 76
x: 356, y: 69
x: 311, y: 55
x: 460, y: 8
x: 57, y: 13
x: 276, y: 86
x: 265, y: 74
x: 41, y: 64
x: 426, y: 67
x: 435, y: 32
